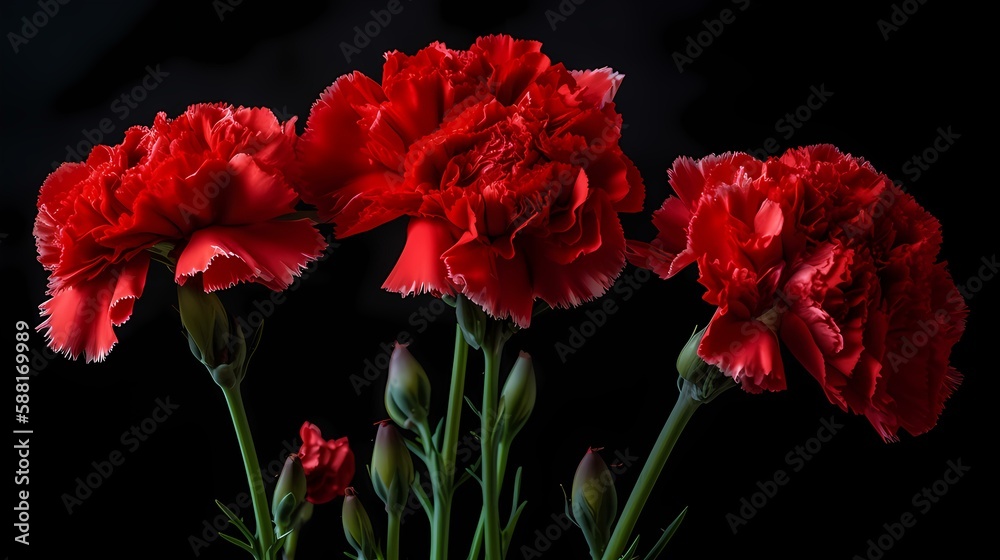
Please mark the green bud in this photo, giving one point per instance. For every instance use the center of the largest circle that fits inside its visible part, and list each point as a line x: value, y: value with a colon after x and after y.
x: 289, y: 493
x: 595, y: 501
x: 392, y: 468
x: 472, y: 319
x: 408, y: 390
x: 689, y: 363
x: 284, y: 513
x: 702, y: 380
x: 358, y: 527
x: 209, y: 335
x: 517, y: 399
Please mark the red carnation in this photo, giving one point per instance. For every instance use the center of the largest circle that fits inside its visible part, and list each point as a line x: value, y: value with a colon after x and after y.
x: 328, y: 464
x: 817, y: 251
x: 508, y: 166
x: 206, y: 191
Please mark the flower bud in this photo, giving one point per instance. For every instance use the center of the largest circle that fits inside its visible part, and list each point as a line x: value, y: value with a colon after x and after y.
x: 595, y: 501
x: 472, y: 319
x: 702, y: 380
x: 289, y: 493
x: 408, y: 391
x: 688, y: 361
x: 392, y: 468
x: 517, y: 399
x: 358, y: 527
x: 209, y: 335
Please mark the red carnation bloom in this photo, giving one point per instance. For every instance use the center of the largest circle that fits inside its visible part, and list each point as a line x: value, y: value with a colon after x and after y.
x: 206, y: 191
x: 819, y: 252
x: 329, y: 465
x: 508, y: 166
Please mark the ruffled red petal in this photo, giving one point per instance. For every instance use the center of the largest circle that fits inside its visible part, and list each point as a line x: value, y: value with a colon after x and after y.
x: 270, y: 253
x: 80, y: 319
x: 421, y: 267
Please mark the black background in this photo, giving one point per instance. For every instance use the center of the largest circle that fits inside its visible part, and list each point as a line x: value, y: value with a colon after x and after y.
x: 890, y: 97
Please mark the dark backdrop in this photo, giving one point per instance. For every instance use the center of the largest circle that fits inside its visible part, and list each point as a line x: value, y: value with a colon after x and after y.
x: 891, y: 90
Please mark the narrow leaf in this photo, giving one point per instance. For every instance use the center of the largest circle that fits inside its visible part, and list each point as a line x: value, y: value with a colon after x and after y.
x: 236, y: 521
x: 668, y: 533
x: 240, y: 544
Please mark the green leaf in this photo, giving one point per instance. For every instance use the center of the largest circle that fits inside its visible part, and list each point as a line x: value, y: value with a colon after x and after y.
x: 438, y: 434
x: 668, y: 533
x: 236, y: 521
x: 465, y: 475
x: 515, y: 513
x: 279, y: 542
x: 417, y: 489
x: 630, y: 553
x: 473, y: 474
x: 517, y: 493
x: 240, y: 544
x: 508, y: 531
x: 254, y: 343
x: 417, y: 450
x: 568, y: 507
x: 473, y: 407
x: 279, y: 538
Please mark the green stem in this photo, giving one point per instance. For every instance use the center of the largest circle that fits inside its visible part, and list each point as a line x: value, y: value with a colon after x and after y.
x: 439, y: 525
x: 491, y: 489
x: 443, y: 480
x: 477, y: 540
x: 291, y: 543
x: 683, y: 410
x: 392, y: 541
x: 456, y: 395
x: 262, y: 514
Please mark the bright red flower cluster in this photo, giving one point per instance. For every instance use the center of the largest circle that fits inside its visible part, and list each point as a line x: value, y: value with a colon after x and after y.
x: 328, y: 464
x: 508, y: 166
x: 206, y: 190
x: 818, y: 250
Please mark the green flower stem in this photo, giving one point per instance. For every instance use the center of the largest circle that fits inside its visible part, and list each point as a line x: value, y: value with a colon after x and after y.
x: 477, y: 540
x: 683, y: 409
x: 261, y: 511
x: 439, y: 524
x: 291, y: 543
x: 392, y: 541
x: 491, y: 487
x: 443, y: 477
x: 449, y: 448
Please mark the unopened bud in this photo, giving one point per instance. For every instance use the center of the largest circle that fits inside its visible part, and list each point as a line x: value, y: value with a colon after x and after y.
x: 704, y: 381
x: 472, y: 319
x: 289, y: 493
x: 517, y: 399
x: 595, y: 501
x: 210, y: 338
x: 358, y: 527
x: 689, y: 363
x: 392, y: 468
x: 407, y: 391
